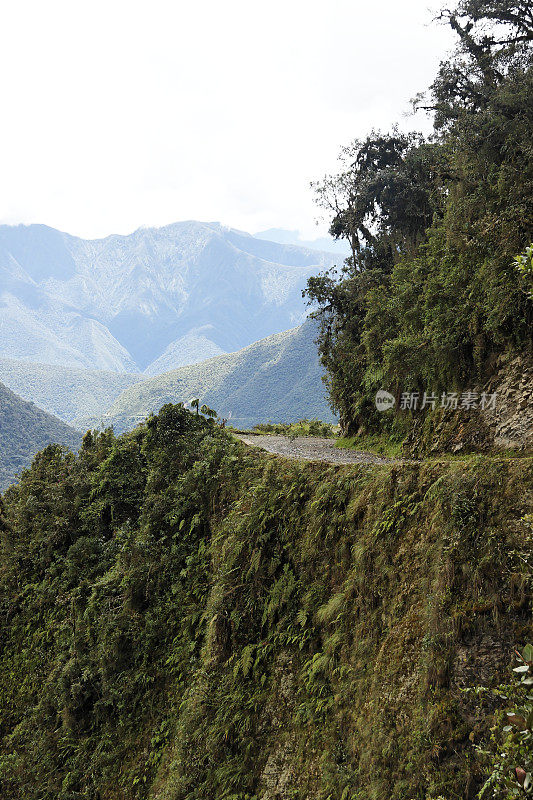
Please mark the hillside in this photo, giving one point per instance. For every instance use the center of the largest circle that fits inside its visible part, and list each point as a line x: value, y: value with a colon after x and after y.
x: 191, y: 619
x: 65, y: 392
x: 186, y: 616
x: 277, y: 379
x: 24, y: 430
x: 129, y: 303
x: 190, y: 349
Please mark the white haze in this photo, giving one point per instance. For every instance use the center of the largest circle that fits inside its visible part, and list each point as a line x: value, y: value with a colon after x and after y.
x: 120, y: 113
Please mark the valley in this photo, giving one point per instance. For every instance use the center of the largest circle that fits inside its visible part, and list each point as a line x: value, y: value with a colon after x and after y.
x: 176, y: 311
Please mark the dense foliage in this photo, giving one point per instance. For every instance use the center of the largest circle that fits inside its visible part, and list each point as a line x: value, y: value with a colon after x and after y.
x: 431, y: 291
x: 304, y: 427
x: 182, y: 618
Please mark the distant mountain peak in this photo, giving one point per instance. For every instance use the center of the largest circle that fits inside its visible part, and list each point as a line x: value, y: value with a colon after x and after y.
x: 121, y: 302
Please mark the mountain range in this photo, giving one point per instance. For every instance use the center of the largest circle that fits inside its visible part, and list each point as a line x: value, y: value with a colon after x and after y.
x: 150, y: 301
x: 278, y: 378
x: 105, y: 331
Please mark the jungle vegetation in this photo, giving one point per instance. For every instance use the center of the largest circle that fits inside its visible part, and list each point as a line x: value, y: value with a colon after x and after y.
x: 433, y: 288
x: 24, y: 430
x: 185, y: 618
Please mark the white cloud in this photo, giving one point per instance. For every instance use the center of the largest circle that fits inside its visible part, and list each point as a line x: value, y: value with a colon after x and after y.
x: 120, y: 113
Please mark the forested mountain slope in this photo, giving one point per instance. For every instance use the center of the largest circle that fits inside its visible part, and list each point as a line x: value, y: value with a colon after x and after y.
x: 440, y: 280
x: 65, y: 392
x: 24, y: 430
x: 190, y: 619
x: 185, y: 618
x: 276, y: 379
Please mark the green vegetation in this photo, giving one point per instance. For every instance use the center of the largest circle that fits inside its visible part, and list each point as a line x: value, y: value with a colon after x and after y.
x: 431, y: 293
x: 191, y: 619
x: 184, y: 618
x: 304, y: 427
x: 66, y: 392
x: 524, y: 264
x: 382, y: 443
x: 511, y: 747
x: 24, y: 430
x: 278, y: 378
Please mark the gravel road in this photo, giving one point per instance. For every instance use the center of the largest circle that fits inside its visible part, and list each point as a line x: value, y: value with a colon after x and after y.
x: 311, y: 448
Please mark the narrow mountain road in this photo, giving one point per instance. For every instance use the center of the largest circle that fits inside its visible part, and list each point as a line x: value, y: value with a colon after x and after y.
x: 311, y: 448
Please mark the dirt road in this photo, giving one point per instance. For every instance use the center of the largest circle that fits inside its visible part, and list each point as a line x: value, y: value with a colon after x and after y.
x: 311, y: 448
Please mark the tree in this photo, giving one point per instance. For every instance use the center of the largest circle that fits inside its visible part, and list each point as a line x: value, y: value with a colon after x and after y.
x: 429, y: 294
x: 208, y: 412
x: 387, y: 187
x: 494, y: 37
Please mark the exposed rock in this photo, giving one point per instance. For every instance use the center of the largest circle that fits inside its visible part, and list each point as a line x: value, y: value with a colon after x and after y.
x: 511, y: 421
x: 277, y: 776
x: 278, y: 773
x: 505, y: 422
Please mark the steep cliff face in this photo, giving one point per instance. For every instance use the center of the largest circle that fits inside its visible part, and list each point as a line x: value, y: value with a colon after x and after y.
x: 196, y: 620
x: 505, y: 423
x: 511, y: 421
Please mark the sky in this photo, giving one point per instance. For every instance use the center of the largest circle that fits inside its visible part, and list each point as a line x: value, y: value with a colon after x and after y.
x: 121, y: 113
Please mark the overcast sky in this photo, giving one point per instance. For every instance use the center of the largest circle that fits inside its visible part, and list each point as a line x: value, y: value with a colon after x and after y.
x: 119, y: 113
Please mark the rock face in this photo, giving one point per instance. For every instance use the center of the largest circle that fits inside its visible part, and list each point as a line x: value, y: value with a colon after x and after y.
x: 511, y: 422
x: 506, y: 423
x: 148, y: 300
x: 278, y: 778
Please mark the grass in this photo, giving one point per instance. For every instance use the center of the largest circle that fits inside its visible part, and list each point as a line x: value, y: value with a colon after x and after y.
x: 391, y: 445
x: 379, y: 443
